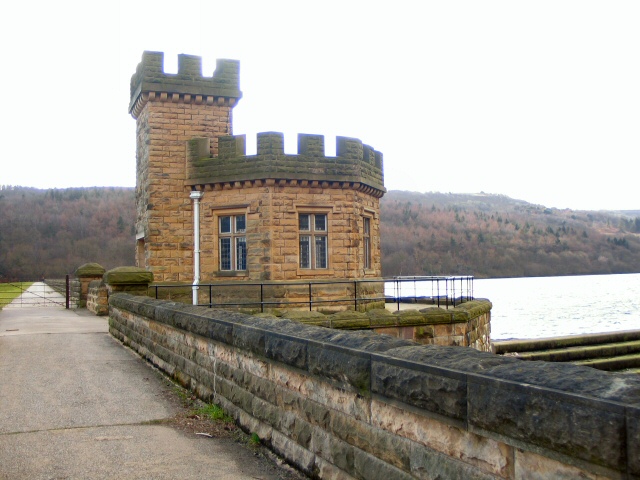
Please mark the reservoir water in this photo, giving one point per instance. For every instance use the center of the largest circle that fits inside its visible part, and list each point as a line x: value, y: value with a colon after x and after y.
x: 541, y: 307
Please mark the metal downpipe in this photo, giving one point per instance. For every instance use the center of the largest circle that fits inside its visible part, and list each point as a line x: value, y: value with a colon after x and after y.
x: 196, y: 196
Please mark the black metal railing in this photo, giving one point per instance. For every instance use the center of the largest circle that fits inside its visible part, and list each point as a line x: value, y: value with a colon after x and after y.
x: 443, y: 291
x: 448, y: 290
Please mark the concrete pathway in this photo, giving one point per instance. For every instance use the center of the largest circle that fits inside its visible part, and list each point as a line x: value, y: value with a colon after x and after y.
x: 75, y: 403
x: 39, y: 294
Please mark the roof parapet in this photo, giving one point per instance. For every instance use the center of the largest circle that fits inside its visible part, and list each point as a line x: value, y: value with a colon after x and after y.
x: 150, y: 79
x: 354, y: 163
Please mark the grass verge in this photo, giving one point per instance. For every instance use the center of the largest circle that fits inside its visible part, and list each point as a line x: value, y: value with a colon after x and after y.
x: 11, y: 291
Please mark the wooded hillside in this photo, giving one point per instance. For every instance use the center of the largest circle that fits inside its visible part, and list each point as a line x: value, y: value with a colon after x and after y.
x: 52, y: 232
x: 496, y: 236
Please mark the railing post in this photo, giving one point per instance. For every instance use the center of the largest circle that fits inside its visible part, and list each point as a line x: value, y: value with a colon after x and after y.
x: 355, y: 294
x: 67, y: 291
x: 310, y: 301
x: 261, y: 298
x: 453, y: 294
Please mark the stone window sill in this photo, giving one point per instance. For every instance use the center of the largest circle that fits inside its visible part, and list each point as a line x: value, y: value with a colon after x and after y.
x: 232, y: 273
x: 315, y: 272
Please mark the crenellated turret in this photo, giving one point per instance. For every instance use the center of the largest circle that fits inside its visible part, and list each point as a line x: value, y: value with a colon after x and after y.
x: 187, y: 85
x: 355, y: 164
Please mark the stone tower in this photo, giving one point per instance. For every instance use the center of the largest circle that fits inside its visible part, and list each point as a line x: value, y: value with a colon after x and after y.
x: 170, y: 110
x: 265, y: 217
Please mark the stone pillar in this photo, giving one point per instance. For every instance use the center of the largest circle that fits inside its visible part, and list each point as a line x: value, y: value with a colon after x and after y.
x: 97, y: 299
x: 86, y: 274
x: 132, y: 280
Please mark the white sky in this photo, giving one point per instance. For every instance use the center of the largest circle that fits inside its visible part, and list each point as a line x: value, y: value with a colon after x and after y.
x: 537, y: 100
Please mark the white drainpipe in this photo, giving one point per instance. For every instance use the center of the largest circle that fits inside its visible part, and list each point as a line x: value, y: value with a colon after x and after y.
x: 196, y: 196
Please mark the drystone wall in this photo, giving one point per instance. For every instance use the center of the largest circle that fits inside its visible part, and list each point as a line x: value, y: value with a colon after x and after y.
x: 361, y: 405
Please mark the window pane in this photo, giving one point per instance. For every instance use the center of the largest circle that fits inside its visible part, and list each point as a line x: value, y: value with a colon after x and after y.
x: 305, y: 251
x: 367, y: 252
x: 225, y: 224
x: 321, y: 251
x: 241, y: 253
x: 241, y: 224
x: 367, y: 242
x: 320, y: 223
x: 303, y: 222
x: 225, y: 254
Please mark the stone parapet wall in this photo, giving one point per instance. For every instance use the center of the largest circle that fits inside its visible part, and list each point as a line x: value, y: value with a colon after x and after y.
x: 355, y: 164
x: 187, y: 85
x: 474, y: 332
x: 360, y: 405
x: 466, y: 325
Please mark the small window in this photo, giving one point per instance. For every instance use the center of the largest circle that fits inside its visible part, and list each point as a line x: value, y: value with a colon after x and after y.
x: 367, y: 242
x: 314, y: 242
x: 233, y: 242
x: 303, y: 222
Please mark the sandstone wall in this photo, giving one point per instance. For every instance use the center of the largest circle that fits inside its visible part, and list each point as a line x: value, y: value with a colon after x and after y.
x: 474, y: 332
x: 272, y: 230
x: 164, y: 210
x: 466, y: 325
x: 362, y: 405
x: 97, y: 298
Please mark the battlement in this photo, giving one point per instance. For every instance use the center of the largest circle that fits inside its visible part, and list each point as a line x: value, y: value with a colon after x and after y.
x: 354, y: 163
x: 188, y: 84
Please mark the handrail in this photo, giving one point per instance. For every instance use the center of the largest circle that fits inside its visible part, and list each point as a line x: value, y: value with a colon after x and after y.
x: 437, y: 290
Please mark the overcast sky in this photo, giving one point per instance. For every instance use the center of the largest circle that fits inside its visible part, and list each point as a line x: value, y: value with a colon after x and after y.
x: 537, y: 100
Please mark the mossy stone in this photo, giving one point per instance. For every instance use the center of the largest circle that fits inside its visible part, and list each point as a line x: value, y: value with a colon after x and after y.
x: 128, y: 276
x: 304, y: 315
x: 90, y: 270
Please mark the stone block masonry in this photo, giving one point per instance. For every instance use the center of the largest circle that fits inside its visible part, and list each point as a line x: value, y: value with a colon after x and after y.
x: 360, y: 405
x: 467, y: 325
x: 97, y: 298
x: 357, y: 165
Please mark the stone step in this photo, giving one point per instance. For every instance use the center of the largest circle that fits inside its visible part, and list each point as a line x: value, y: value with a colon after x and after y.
x: 583, y: 352
x: 613, y: 364
x: 520, y: 346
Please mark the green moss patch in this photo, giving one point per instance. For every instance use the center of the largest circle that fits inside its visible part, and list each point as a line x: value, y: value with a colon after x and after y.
x: 128, y: 276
